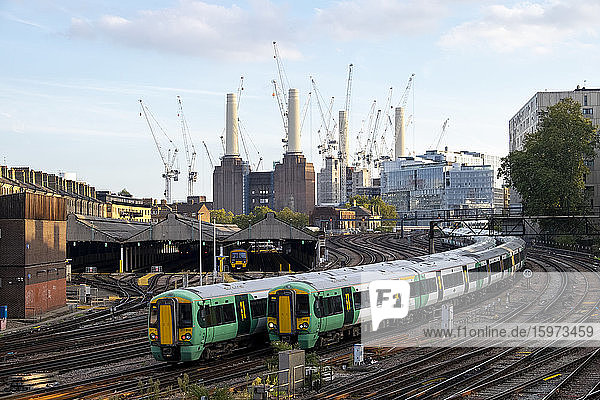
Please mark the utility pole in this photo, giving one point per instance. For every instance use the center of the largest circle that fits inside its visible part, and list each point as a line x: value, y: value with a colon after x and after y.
x: 214, y: 250
x: 200, y: 244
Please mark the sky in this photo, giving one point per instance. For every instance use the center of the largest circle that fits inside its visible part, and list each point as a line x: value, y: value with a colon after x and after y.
x: 73, y: 72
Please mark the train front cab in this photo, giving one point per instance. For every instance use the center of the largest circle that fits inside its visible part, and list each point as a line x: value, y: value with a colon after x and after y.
x: 290, y: 316
x: 171, y: 330
x: 238, y: 259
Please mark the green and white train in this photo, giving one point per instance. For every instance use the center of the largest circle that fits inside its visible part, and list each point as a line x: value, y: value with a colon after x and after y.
x: 199, y: 322
x: 329, y: 305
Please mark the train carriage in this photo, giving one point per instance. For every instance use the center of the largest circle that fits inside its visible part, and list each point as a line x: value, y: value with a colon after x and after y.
x: 186, y: 324
x: 338, y: 299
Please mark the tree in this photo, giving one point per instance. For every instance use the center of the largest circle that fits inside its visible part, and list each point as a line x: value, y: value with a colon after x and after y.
x: 221, y: 216
x: 297, y: 219
x: 377, y: 207
x: 549, y: 173
x: 124, y: 193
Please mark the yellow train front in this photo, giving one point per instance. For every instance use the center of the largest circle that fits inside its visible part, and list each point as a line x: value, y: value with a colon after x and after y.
x: 238, y: 259
x: 293, y: 314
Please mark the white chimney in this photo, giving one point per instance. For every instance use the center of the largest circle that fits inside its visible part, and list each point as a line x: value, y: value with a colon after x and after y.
x: 343, y: 136
x: 293, y: 145
x: 231, y: 126
x: 399, y: 133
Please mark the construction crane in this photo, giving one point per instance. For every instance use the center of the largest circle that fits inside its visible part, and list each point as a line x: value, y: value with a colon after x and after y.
x: 348, y: 91
x: 362, y: 156
x: 242, y: 130
x: 210, y: 160
x: 190, y: 150
x: 404, y: 98
x: 280, y: 91
x: 444, y: 126
x: 328, y: 124
x: 168, y: 157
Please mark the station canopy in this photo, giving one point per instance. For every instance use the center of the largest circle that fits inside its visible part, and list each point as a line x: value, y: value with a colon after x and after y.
x: 271, y: 228
x: 175, y: 227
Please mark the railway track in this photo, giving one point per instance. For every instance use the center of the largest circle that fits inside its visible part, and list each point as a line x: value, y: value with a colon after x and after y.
x: 479, y: 373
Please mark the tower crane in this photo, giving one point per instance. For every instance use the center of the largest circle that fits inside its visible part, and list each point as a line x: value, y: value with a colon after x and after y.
x: 361, y: 154
x: 404, y: 98
x: 169, y: 156
x: 348, y: 90
x: 327, y: 141
x: 444, y: 126
x: 280, y: 90
x: 242, y: 130
x: 210, y: 160
x: 190, y: 156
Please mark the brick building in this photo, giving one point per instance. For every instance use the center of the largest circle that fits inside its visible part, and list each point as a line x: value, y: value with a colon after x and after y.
x: 33, y: 240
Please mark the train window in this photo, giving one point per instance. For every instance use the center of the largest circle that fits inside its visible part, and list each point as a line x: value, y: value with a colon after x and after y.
x: 366, y: 299
x: 414, y: 289
x: 228, y: 313
x: 478, y: 273
x: 258, y: 308
x: 325, y: 306
x: 429, y: 285
x: 272, y: 308
x: 336, y: 305
x: 452, y: 280
x: 302, y: 309
x: 185, y: 315
x: 317, y: 307
x: 495, y: 267
x: 153, y: 315
x: 201, y: 316
x: 357, y: 302
x: 214, y: 318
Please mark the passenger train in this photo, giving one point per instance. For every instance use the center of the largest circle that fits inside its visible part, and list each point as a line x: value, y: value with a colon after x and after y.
x: 315, y: 307
x: 332, y: 304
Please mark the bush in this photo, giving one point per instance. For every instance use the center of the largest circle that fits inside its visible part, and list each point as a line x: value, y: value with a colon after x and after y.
x: 196, y: 392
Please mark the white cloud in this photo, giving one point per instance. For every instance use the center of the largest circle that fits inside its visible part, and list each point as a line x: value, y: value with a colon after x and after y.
x: 199, y: 29
x: 13, y: 18
x: 539, y: 27
x: 372, y: 19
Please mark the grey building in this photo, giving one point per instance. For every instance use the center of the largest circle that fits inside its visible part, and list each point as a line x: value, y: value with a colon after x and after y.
x: 439, y: 182
x: 260, y: 190
x: 328, y: 183
x: 527, y: 119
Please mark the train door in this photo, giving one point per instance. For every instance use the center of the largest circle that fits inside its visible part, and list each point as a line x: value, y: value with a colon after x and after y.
x: 243, y: 314
x: 167, y: 317
x: 466, y: 278
x: 348, y: 308
x: 438, y: 275
x: 285, y: 310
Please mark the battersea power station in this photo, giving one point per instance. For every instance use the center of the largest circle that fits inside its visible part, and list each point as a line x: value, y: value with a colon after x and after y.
x: 291, y: 184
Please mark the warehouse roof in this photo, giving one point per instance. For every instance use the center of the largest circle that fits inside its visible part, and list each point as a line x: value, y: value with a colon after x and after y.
x: 271, y: 228
x: 175, y: 227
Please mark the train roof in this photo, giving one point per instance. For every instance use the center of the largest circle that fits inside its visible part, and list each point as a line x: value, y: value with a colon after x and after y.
x: 240, y: 287
x: 356, y: 275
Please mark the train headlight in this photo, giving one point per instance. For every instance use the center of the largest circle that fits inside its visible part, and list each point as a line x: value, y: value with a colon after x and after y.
x: 152, y: 336
x: 304, y: 325
x: 271, y: 325
x: 188, y: 336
